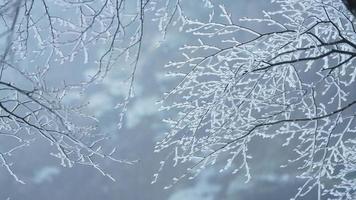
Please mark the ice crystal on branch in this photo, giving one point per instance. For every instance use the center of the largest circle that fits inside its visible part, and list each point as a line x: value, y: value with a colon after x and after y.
x: 289, y: 74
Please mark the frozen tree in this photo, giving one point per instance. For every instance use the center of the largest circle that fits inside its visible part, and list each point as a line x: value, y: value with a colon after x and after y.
x: 290, y: 77
x: 39, y: 39
x: 290, y: 74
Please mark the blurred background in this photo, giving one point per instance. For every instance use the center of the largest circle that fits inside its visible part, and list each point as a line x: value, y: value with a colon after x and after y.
x: 46, y: 179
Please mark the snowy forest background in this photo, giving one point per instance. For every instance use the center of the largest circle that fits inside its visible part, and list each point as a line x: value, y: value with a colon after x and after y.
x: 129, y: 119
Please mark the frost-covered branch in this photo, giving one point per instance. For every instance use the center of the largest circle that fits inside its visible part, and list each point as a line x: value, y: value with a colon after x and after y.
x: 295, y: 80
x: 41, y: 38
